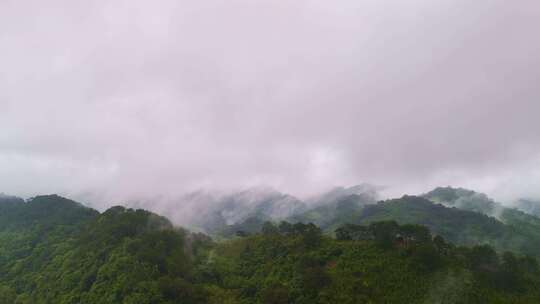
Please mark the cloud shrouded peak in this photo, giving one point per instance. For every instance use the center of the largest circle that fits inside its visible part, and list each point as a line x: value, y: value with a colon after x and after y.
x: 111, y: 101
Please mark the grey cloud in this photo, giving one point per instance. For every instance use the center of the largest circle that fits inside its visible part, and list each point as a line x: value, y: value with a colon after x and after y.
x: 116, y: 100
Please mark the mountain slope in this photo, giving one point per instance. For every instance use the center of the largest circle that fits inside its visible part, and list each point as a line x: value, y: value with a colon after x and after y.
x: 529, y: 206
x: 211, y: 212
x: 26, y: 227
x: 296, y: 264
x: 459, y: 226
x: 42, y: 210
x: 459, y: 215
x: 337, y: 206
x: 54, y: 250
x: 339, y: 211
x: 464, y: 199
x: 329, y: 210
x: 525, y: 227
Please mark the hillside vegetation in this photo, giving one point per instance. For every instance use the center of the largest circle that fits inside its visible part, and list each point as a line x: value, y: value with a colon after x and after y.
x: 54, y: 250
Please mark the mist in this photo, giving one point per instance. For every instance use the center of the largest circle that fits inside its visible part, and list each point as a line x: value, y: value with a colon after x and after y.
x: 125, y: 101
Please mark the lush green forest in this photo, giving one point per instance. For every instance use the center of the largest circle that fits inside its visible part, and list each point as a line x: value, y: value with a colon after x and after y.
x: 468, y: 225
x: 53, y: 250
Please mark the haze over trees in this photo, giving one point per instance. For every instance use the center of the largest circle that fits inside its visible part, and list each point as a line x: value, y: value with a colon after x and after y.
x: 407, y: 250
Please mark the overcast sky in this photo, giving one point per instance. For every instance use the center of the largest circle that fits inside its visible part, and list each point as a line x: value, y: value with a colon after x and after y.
x: 112, y: 100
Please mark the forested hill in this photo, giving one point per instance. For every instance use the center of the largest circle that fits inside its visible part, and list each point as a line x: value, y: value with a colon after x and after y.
x: 523, y: 229
x: 54, y: 250
x: 50, y: 210
x: 459, y: 226
x: 512, y: 230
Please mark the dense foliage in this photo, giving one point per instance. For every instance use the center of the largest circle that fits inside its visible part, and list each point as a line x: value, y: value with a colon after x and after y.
x: 467, y: 223
x: 380, y: 263
x: 54, y: 250
x: 521, y: 231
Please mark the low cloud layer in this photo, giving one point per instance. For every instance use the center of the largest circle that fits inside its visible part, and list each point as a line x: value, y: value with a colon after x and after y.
x: 109, y: 101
